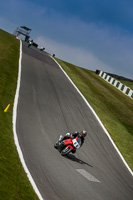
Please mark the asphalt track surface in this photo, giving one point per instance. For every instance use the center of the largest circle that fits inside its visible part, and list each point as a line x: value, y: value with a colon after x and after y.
x: 48, y: 106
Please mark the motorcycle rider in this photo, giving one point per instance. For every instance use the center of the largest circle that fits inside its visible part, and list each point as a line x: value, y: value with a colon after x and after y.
x: 81, y: 134
x: 30, y: 43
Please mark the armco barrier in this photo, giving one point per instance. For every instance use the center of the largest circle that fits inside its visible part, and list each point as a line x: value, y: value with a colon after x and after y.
x: 123, y: 88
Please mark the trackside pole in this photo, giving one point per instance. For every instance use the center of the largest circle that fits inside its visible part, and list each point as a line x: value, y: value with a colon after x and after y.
x: 6, y: 109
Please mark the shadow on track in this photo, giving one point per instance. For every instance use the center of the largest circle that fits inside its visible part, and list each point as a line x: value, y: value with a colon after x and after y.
x: 73, y: 158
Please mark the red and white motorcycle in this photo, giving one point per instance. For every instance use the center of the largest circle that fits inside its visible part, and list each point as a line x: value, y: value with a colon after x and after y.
x: 68, y: 145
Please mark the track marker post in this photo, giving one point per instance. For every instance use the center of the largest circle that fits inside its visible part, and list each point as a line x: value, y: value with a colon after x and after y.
x: 6, y: 109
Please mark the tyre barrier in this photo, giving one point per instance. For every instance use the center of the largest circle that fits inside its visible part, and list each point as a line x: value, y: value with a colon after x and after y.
x: 120, y: 86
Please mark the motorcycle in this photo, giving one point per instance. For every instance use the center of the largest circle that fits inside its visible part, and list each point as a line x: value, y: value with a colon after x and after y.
x: 68, y: 145
x: 30, y: 43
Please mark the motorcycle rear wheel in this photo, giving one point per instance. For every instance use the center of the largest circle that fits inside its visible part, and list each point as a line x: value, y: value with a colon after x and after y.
x: 66, y: 151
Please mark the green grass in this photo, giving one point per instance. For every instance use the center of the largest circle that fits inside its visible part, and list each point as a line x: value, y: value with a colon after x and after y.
x: 113, y: 107
x: 14, y: 184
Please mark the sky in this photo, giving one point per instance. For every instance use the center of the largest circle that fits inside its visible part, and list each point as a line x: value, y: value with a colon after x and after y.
x: 92, y: 34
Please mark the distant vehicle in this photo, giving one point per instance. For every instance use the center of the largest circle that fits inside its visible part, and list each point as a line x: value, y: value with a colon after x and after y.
x: 42, y: 49
x: 30, y: 43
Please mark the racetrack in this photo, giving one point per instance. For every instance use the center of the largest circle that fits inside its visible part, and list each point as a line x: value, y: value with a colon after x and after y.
x: 48, y: 106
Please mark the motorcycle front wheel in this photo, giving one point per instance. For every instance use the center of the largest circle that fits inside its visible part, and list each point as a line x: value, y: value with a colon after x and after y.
x: 66, y: 151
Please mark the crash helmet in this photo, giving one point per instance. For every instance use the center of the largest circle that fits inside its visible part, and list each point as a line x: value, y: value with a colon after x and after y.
x: 83, y: 133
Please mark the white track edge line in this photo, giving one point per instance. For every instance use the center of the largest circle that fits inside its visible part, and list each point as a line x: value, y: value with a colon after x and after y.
x: 14, y: 128
x: 96, y: 118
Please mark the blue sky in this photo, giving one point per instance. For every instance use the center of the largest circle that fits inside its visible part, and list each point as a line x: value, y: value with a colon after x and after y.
x: 93, y: 34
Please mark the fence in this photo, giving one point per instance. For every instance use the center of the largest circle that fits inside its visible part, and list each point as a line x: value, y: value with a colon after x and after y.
x: 123, y: 88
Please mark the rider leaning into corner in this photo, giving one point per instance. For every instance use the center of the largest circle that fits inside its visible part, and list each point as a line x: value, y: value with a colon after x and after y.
x: 81, y: 134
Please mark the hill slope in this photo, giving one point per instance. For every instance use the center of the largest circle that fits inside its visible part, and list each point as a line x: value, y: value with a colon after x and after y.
x: 113, y: 108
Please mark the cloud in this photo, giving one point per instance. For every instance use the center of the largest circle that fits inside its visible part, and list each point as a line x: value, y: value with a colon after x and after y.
x: 74, y: 55
x: 90, y: 44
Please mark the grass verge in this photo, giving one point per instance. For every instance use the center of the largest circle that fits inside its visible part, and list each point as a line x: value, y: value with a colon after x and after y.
x: 14, y: 184
x: 114, y: 109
